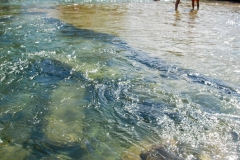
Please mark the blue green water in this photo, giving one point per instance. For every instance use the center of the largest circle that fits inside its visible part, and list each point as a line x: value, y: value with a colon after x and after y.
x: 119, y: 80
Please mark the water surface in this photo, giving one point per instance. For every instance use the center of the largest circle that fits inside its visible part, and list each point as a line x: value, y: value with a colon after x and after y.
x: 119, y: 80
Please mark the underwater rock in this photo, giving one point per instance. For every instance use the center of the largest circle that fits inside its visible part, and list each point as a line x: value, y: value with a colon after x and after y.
x: 37, y: 102
x: 65, y: 121
x: 13, y: 152
x: 50, y: 71
x: 158, y: 153
x: 51, y: 68
x: 152, y: 152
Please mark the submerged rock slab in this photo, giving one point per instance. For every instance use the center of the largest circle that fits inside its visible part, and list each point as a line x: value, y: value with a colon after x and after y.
x: 13, y: 152
x: 66, y: 113
x: 158, y: 153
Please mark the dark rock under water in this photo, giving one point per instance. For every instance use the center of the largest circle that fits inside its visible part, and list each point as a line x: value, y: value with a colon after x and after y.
x: 158, y: 153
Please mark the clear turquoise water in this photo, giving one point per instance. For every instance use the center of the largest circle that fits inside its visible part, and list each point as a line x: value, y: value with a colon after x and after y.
x: 112, y: 80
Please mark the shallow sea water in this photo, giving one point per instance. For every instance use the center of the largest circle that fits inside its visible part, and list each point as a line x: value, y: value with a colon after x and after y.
x: 119, y: 80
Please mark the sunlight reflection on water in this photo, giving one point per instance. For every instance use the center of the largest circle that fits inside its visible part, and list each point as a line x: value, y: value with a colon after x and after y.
x: 119, y: 80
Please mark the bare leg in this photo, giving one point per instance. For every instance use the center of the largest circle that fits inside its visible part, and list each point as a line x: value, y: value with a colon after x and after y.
x: 192, y: 4
x: 176, y: 4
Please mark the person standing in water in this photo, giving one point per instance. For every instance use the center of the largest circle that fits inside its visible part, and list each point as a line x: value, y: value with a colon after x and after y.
x: 177, y: 2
